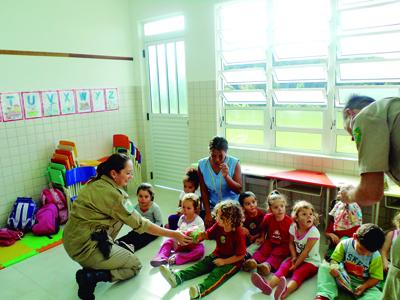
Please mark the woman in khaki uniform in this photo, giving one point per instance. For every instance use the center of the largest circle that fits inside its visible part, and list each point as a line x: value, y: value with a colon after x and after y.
x: 97, y: 216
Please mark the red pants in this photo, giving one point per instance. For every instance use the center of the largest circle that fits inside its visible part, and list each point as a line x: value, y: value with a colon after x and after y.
x: 272, y: 254
x: 303, y: 272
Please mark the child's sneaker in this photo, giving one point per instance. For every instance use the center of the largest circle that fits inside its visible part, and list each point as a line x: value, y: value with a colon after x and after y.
x: 158, y: 261
x: 169, y: 275
x: 249, y: 265
x: 281, y: 289
x: 321, y: 298
x: 259, y: 282
x: 172, y: 260
x: 263, y: 269
x: 194, y: 292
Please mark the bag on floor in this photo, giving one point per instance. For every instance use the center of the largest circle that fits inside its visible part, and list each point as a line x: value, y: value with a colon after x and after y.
x: 22, y: 216
x: 46, y: 220
x: 56, y: 197
x: 9, y: 236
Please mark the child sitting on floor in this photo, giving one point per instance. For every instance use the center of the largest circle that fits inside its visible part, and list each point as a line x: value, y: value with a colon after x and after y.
x: 362, y: 262
x: 304, y: 251
x: 190, y: 185
x: 253, y: 217
x: 344, y: 220
x: 188, y: 222
x: 226, y: 259
x: 148, y: 209
x: 275, y: 248
x: 391, y: 236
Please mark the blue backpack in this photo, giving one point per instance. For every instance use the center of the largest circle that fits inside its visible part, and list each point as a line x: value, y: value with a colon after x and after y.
x: 22, y: 216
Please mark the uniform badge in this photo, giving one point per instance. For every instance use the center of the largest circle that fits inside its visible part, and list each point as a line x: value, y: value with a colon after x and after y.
x: 128, y: 205
x: 357, y: 135
x: 253, y: 225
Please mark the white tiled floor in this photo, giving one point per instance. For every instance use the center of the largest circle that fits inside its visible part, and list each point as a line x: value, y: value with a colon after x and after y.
x: 51, y: 275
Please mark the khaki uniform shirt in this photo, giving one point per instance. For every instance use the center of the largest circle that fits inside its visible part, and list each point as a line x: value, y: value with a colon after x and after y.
x: 100, y: 205
x: 376, y: 131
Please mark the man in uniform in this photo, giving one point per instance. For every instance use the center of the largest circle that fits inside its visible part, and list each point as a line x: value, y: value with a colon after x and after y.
x: 375, y: 127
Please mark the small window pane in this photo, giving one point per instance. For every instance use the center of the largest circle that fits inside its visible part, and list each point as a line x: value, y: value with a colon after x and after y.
x: 238, y: 39
x: 344, y: 144
x: 251, y: 97
x: 164, y: 26
x: 300, y: 50
x: 299, y: 119
x: 253, y: 55
x: 155, y: 97
x: 373, y: 92
x: 245, y: 136
x: 298, y: 140
x: 375, y: 16
x: 300, y: 74
x: 172, y: 84
x: 300, y: 96
x: 339, y: 120
x: 245, y: 117
x: 162, y: 78
x: 180, y: 54
x: 370, y: 71
x: 245, y: 76
x: 370, y: 44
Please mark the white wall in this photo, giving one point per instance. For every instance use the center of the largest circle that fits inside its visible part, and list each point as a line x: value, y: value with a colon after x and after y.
x: 99, y: 27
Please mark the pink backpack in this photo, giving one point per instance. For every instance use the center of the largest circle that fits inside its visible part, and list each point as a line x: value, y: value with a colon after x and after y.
x: 56, y: 197
x: 46, y: 220
x: 9, y: 236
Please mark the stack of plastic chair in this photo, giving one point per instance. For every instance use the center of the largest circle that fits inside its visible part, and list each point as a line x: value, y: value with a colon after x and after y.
x: 121, y: 144
x: 56, y: 174
x: 75, y: 179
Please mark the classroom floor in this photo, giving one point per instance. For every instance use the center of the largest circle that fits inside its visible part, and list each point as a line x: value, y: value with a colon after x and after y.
x: 51, y: 275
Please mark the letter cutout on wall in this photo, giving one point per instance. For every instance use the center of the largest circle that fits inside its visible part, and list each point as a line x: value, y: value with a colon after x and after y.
x: 83, y: 101
x: 11, y: 106
x: 51, y: 103
x: 111, y: 99
x: 67, y: 102
x: 98, y: 100
x: 32, y: 105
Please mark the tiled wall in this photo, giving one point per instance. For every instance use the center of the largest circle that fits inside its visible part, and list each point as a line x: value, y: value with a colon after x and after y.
x: 26, y: 146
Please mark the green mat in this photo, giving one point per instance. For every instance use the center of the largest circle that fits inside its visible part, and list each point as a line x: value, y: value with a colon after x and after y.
x: 28, y: 246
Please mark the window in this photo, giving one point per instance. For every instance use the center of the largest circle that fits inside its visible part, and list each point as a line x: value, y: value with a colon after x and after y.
x: 166, y: 66
x: 285, y: 74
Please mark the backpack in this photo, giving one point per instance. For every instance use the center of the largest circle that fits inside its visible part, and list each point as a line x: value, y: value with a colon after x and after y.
x: 9, y: 237
x: 22, y: 216
x: 56, y: 197
x: 46, y: 220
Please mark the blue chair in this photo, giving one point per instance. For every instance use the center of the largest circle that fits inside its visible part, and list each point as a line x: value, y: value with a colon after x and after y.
x: 75, y: 179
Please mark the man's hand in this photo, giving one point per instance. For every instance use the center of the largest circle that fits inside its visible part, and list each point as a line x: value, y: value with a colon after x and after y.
x: 182, y: 238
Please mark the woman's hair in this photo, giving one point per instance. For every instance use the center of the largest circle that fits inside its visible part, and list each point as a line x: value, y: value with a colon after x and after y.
x: 218, y: 143
x: 245, y: 195
x: 231, y: 211
x: 192, y: 197
x: 275, y: 196
x: 302, y: 204
x: 396, y: 220
x: 115, y: 162
x: 192, y: 176
x: 358, y: 102
x: 146, y: 187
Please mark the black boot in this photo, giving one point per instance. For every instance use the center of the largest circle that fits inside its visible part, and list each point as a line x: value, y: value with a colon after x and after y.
x: 87, y: 280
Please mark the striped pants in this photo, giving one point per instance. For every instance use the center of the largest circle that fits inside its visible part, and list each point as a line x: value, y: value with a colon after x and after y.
x: 216, y: 277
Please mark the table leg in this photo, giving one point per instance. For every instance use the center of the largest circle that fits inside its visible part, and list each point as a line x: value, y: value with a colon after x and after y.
x: 327, y: 202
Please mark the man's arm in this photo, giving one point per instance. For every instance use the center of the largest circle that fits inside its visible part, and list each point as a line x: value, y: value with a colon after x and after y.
x: 367, y: 193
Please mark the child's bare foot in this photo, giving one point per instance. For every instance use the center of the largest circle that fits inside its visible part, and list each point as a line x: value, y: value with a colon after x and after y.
x: 249, y: 265
x: 263, y: 269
